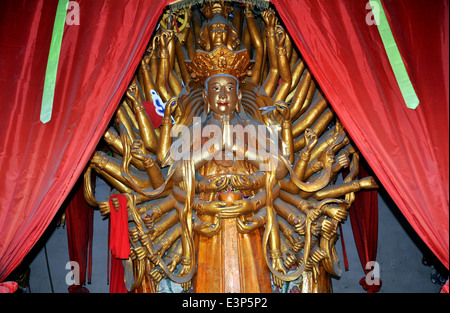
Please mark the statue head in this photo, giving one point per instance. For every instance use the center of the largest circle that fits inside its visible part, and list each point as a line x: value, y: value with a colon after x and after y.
x: 222, y: 95
x: 218, y: 31
x: 221, y: 60
x: 221, y: 71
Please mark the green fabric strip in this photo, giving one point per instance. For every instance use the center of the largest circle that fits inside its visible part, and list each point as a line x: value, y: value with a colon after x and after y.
x: 401, y: 75
x: 52, y: 63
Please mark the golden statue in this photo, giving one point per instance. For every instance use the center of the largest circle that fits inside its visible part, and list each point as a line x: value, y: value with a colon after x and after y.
x: 237, y: 189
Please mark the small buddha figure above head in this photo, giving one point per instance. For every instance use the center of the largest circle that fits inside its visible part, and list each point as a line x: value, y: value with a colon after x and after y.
x: 218, y: 31
x: 209, y: 9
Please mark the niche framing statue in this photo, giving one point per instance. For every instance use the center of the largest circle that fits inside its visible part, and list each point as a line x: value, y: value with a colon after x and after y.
x: 236, y: 189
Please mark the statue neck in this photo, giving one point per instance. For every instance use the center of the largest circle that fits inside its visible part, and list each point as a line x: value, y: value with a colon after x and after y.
x: 223, y: 117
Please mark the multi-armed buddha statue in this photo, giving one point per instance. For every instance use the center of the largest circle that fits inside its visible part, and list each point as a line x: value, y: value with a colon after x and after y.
x: 235, y: 189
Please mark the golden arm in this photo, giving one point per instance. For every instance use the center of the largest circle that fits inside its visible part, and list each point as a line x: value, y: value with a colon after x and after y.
x: 147, y: 131
x: 257, y: 44
x: 164, y: 69
x: 271, y: 81
x: 283, y: 66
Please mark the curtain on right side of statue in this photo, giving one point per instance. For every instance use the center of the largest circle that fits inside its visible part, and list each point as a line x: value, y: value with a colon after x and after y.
x: 407, y: 149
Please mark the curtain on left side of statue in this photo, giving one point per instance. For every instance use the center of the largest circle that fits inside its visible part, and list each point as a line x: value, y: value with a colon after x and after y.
x: 40, y: 163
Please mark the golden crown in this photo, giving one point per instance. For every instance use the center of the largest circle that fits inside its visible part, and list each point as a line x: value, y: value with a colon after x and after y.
x: 219, y: 61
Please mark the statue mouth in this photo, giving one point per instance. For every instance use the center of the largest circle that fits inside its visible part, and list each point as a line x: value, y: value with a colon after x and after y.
x: 223, y: 103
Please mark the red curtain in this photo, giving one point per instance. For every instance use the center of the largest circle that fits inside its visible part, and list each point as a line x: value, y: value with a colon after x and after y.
x: 79, y: 223
x: 407, y: 149
x: 364, y: 221
x: 41, y: 163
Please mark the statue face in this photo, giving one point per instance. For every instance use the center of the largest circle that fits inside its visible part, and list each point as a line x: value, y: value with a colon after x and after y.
x: 222, y: 94
x: 218, y: 34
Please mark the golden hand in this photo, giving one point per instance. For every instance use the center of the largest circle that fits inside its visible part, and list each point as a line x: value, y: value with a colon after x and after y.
x: 138, y: 150
x: 298, y: 245
x: 185, y: 269
x: 269, y: 18
x: 207, y: 229
x: 342, y: 161
x: 104, y: 207
x: 283, y: 109
x: 239, y: 207
x: 249, y: 224
x: 156, y: 274
x: 277, y: 265
x: 166, y: 37
x: 328, y: 228
x: 281, y: 35
x: 248, y: 10
x: 131, y: 95
x: 337, y: 213
x: 242, y: 182
x: 171, y: 106
x: 213, y: 184
x: 289, y: 259
x: 210, y: 208
x: 299, y: 225
x: 310, y: 139
x: 115, y: 202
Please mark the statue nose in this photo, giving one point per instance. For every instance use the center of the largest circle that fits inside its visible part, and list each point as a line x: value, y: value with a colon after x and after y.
x: 222, y: 93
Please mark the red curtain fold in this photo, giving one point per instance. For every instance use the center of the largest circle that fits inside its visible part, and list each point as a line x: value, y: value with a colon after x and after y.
x: 79, y: 223
x: 364, y: 221
x: 41, y: 163
x: 407, y: 149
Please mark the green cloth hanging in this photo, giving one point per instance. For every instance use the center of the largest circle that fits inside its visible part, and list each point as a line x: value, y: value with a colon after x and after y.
x: 52, y: 63
x: 401, y: 75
